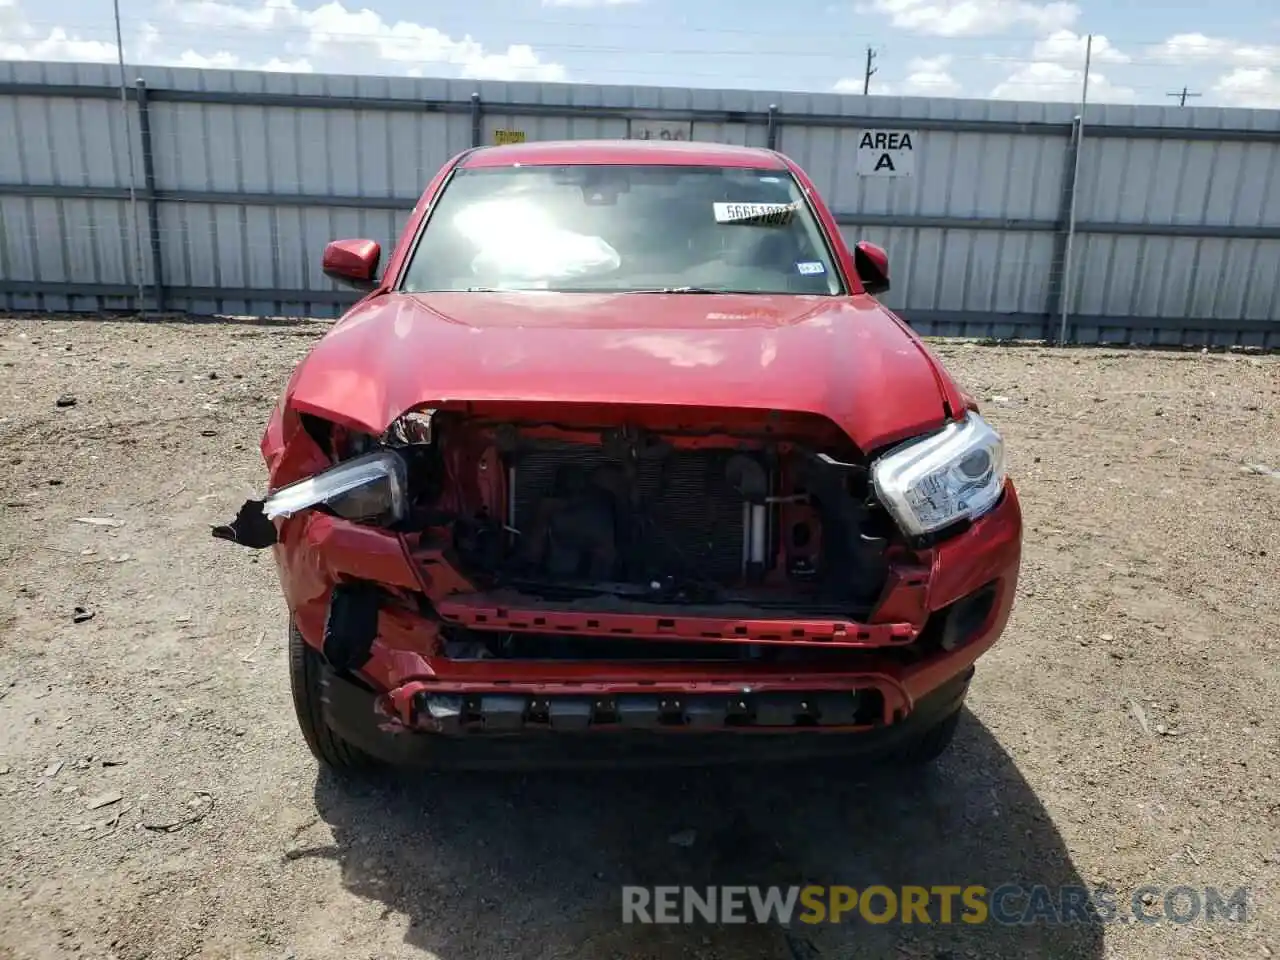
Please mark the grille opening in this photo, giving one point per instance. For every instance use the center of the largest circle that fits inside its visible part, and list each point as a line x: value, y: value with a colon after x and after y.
x: 561, y: 513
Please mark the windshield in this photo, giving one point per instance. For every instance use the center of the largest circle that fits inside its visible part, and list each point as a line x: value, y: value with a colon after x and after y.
x: 623, y: 229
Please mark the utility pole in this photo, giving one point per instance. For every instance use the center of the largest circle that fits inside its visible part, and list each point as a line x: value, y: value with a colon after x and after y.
x: 866, y: 79
x: 1182, y: 96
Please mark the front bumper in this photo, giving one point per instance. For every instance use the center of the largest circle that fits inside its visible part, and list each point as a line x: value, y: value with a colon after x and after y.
x: 351, y: 711
x: 406, y: 690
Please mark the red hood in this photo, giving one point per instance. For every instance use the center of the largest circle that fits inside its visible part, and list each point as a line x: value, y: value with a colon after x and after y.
x: 845, y: 359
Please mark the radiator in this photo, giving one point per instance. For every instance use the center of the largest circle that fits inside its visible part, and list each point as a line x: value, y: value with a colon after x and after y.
x: 695, y: 517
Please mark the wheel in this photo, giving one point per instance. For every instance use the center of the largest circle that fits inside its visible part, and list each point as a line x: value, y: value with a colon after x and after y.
x: 304, y: 680
x: 932, y: 743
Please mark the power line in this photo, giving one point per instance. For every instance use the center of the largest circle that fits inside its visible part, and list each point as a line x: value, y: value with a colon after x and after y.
x: 1182, y: 96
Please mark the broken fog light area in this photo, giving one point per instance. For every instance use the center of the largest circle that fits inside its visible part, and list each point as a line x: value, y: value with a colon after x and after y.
x: 368, y: 488
x: 958, y: 623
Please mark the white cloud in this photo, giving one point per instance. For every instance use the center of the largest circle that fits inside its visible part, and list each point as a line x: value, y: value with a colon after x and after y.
x: 955, y: 18
x: 19, y: 40
x: 1044, y: 80
x: 1055, y: 71
x: 1066, y: 46
x: 276, y: 65
x: 1198, y: 48
x: 225, y: 60
x: 930, y: 77
x: 331, y: 32
x: 1257, y: 87
x: 56, y: 45
x: 222, y: 60
x: 878, y: 88
x: 1253, y: 70
x: 926, y: 77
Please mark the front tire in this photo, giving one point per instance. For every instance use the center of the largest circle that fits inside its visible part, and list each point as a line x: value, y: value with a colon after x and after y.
x: 305, y: 671
x: 930, y: 745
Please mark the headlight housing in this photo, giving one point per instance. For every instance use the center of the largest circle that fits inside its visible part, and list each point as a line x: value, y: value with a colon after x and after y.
x: 955, y: 474
x: 369, y: 487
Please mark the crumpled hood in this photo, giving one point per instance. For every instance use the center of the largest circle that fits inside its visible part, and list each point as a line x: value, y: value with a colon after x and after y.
x: 842, y: 358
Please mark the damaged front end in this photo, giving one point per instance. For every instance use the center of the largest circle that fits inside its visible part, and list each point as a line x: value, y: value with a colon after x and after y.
x: 512, y: 568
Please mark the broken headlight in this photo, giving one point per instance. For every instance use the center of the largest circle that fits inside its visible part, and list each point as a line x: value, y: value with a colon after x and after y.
x: 955, y: 474
x: 370, y: 487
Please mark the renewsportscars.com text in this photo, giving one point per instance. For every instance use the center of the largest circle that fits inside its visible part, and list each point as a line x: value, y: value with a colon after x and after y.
x: 1006, y: 904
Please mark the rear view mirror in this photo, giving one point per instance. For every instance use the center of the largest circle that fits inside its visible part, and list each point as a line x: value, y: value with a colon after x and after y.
x: 353, y: 262
x: 872, y: 265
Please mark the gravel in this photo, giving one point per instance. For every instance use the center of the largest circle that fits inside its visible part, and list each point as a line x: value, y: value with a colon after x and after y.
x: 158, y: 802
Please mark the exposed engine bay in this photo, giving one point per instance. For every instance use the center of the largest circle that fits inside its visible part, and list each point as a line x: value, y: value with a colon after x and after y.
x: 555, y: 512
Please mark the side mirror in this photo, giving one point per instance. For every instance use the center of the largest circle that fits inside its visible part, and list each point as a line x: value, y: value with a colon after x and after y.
x: 872, y: 264
x: 353, y: 262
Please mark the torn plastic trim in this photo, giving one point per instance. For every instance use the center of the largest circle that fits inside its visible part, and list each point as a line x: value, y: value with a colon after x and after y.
x: 250, y: 528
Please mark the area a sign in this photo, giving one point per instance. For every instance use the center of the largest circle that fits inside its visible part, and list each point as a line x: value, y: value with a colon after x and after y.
x: 887, y: 153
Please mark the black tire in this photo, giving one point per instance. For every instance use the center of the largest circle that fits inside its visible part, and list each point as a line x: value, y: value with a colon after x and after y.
x: 304, y: 680
x: 933, y: 742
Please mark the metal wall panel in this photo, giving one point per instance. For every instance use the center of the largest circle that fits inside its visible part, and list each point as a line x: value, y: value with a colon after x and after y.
x: 254, y: 172
x: 1217, y: 278
x: 43, y: 239
x: 963, y: 270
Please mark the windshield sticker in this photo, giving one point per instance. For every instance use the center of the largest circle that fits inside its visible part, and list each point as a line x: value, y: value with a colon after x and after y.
x: 811, y: 267
x: 757, y: 214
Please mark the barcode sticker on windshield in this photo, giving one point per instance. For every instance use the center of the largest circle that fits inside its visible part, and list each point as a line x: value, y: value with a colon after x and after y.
x: 811, y: 267
x: 762, y: 214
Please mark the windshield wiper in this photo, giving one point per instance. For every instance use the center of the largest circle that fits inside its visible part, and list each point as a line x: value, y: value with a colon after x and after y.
x: 706, y: 290
x: 676, y: 290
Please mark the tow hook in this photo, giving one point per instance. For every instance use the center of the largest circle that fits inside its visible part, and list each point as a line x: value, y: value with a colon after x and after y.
x: 250, y: 528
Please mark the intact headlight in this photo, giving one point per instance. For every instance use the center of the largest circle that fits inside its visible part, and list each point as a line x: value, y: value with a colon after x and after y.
x: 370, y: 487
x: 954, y: 475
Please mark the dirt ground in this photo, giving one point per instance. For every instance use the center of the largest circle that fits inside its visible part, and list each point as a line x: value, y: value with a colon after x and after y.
x: 156, y: 800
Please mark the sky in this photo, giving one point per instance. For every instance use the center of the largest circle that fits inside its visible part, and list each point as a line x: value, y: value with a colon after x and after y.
x: 1225, y: 52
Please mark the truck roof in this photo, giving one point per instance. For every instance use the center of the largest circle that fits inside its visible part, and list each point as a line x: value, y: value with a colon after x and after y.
x: 683, y: 153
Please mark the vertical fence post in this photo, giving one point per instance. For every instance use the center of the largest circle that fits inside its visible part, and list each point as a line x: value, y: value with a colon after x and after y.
x: 153, y: 204
x: 1066, y: 287
x: 1064, y: 303
x: 1062, y: 240
x: 771, y: 131
x: 133, y: 192
x: 477, y: 124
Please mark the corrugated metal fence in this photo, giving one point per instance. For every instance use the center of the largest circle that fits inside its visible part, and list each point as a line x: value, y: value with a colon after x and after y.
x: 240, y: 178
